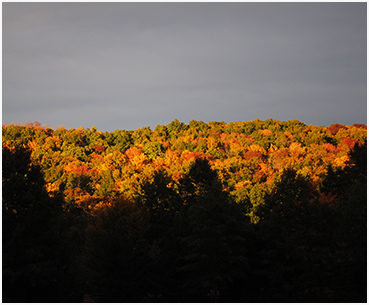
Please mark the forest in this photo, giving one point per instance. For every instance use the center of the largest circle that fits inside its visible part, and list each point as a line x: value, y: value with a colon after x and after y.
x: 253, y: 211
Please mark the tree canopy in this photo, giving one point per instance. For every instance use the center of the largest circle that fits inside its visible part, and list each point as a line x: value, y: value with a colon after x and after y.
x: 254, y: 211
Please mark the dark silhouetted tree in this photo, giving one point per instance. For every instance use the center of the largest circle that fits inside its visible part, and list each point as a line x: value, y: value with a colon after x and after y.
x: 32, y: 267
x: 117, y: 265
x: 214, y: 247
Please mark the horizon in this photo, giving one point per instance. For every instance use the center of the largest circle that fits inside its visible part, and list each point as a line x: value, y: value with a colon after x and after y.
x: 45, y: 126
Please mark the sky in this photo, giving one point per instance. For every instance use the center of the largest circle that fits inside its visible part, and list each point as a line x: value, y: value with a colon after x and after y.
x: 130, y: 65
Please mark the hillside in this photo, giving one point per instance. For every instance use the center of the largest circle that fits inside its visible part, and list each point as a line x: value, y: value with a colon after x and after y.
x: 254, y: 211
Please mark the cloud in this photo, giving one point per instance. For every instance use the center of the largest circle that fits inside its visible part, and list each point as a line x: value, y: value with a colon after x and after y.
x: 128, y: 65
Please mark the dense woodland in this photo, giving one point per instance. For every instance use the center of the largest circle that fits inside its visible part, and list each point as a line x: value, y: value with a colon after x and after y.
x: 254, y: 211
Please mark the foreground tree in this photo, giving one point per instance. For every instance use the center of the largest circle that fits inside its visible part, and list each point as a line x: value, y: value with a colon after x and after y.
x: 304, y: 254
x: 32, y: 267
x: 213, y: 246
x: 348, y: 188
x: 116, y: 261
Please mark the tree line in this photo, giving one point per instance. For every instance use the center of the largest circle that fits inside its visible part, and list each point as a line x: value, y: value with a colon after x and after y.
x: 255, y: 211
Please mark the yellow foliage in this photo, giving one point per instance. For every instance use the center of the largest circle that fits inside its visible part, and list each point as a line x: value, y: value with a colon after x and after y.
x: 159, y: 162
x: 70, y: 167
x: 255, y: 147
x: 305, y: 171
x: 288, y: 134
x: 32, y: 145
x: 272, y: 148
x: 116, y: 174
x: 212, y: 143
x: 341, y: 161
x: 242, y: 184
x: 52, y: 187
x: 140, y: 160
x: 172, y: 158
x: 295, y: 146
x: 296, y: 151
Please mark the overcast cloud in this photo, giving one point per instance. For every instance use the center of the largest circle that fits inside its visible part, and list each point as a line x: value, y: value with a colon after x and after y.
x: 130, y: 65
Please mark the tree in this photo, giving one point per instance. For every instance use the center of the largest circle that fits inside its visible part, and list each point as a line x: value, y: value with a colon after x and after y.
x: 32, y: 267
x: 119, y: 140
x: 214, y: 248
x: 165, y: 207
x: 117, y: 265
x: 298, y: 243
x: 175, y: 127
x: 348, y: 187
x: 154, y: 150
x: 142, y: 135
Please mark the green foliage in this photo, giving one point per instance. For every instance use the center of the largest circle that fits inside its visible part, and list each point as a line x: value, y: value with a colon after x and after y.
x: 175, y: 127
x: 141, y: 135
x: 154, y: 150
x: 119, y: 140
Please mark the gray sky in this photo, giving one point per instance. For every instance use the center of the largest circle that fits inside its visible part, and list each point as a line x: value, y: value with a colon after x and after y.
x: 130, y: 65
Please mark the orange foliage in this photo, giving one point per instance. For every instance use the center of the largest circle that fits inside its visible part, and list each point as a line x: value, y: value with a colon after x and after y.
x: 265, y: 132
x: 197, y: 155
x: 236, y: 151
x: 252, y: 154
x: 133, y: 152
x: 330, y: 148
x: 96, y: 157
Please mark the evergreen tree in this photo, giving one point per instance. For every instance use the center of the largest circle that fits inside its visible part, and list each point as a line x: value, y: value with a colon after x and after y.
x: 214, y: 247
x: 32, y: 267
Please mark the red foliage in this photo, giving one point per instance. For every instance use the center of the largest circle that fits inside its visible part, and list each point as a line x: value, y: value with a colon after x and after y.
x: 98, y: 148
x: 83, y: 169
x: 360, y: 126
x: 198, y: 155
x: 333, y: 129
x: 259, y: 175
x: 214, y: 132
x: 349, y: 142
x: 223, y: 135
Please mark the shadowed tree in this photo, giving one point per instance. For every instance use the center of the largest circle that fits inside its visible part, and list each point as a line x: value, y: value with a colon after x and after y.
x: 32, y: 267
x: 213, y: 247
x: 300, y: 253
x: 117, y: 265
x: 349, y: 188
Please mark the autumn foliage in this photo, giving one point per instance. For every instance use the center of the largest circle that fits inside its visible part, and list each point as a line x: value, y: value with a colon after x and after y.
x: 270, y: 191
